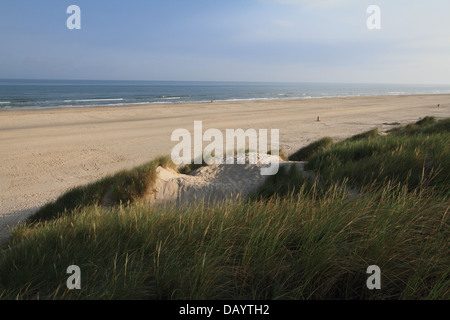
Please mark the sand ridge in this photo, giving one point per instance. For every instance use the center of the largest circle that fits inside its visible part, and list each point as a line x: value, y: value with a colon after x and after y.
x: 213, y: 183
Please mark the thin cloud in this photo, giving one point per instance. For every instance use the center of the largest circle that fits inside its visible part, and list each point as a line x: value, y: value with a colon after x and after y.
x: 283, y: 23
x: 309, y: 3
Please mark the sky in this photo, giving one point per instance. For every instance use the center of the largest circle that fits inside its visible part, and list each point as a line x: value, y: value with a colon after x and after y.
x: 227, y: 40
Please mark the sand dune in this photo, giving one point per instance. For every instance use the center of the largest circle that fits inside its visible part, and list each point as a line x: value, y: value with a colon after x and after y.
x: 214, y: 183
x: 43, y: 153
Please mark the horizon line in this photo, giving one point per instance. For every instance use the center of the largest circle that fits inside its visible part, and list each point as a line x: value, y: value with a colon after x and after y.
x: 230, y: 81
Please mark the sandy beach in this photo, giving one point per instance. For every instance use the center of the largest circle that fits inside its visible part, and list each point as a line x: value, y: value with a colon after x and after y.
x: 45, y: 152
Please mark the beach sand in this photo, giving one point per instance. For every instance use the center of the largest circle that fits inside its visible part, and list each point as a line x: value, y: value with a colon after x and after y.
x: 43, y: 153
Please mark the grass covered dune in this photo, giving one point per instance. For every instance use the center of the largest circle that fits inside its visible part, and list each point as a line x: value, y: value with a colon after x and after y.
x: 295, y: 239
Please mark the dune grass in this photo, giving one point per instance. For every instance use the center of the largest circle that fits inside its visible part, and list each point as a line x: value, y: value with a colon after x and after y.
x: 295, y: 239
x: 306, y: 152
x: 124, y: 187
x: 365, y: 135
x: 297, y: 247
x: 427, y: 125
x: 417, y: 155
x: 287, y: 181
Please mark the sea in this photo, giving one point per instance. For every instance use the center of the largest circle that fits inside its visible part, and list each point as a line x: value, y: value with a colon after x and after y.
x: 40, y: 94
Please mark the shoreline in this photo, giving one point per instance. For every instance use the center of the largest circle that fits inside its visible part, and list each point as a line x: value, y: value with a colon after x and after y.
x: 45, y: 152
x: 237, y: 100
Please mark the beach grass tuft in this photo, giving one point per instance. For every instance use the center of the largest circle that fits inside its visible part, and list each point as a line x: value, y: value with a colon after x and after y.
x: 416, y: 156
x: 306, y: 152
x: 124, y: 187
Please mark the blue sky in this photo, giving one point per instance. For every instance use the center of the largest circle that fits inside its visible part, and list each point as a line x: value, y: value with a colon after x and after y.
x: 227, y: 40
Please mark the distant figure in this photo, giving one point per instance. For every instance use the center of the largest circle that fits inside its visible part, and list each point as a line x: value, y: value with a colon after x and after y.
x: 318, y: 119
x: 212, y: 101
x: 439, y: 105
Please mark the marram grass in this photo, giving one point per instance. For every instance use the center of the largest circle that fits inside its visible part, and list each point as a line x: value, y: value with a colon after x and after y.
x: 417, y: 155
x: 296, y: 247
x: 378, y: 200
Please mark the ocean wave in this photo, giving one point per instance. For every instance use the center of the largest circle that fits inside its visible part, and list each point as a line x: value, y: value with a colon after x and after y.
x: 178, y: 96
x: 397, y: 93
x: 171, y: 98
x: 244, y: 99
x: 93, y: 100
